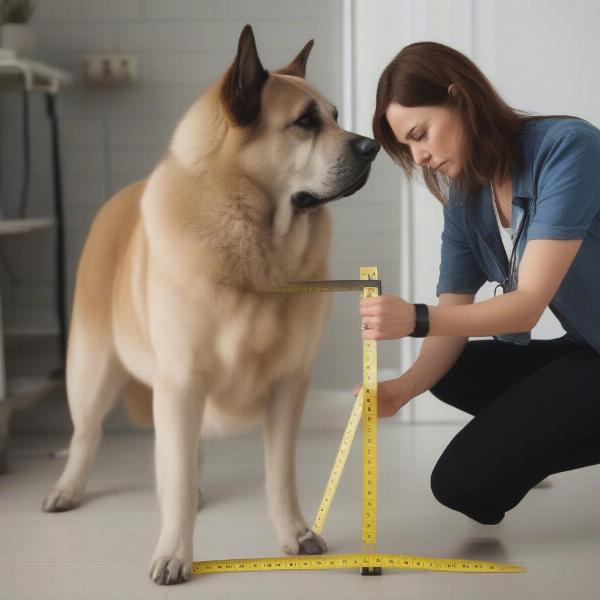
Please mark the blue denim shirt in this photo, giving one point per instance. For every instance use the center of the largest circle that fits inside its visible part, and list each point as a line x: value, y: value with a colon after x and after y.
x: 556, y: 195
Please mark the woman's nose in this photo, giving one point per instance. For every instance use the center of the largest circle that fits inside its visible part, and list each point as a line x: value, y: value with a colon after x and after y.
x: 420, y: 156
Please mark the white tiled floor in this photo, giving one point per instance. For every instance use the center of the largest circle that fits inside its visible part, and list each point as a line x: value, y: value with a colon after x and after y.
x: 102, y: 549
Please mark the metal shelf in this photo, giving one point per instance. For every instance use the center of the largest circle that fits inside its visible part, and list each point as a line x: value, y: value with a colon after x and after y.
x: 23, y: 392
x: 19, y: 74
x: 16, y: 226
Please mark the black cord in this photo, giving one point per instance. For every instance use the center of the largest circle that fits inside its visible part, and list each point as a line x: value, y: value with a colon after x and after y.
x: 58, y: 211
x: 26, y: 157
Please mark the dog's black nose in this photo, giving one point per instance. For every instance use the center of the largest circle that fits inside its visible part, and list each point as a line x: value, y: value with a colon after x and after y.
x: 366, y: 147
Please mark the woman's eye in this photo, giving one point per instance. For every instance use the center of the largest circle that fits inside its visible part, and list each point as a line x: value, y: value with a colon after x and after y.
x: 422, y: 137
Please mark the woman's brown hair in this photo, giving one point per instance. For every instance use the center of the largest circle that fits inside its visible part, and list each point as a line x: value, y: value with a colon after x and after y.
x: 421, y: 75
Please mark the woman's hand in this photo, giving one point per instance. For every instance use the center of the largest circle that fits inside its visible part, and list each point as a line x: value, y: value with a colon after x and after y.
x: 392, y: 395
x: 386, y: 317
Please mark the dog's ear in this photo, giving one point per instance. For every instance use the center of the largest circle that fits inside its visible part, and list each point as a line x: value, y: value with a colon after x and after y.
x: 298, y: 66
x: 244, y: 81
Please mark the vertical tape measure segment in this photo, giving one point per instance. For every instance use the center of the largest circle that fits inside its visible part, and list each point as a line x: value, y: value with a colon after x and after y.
x: 369, y: 384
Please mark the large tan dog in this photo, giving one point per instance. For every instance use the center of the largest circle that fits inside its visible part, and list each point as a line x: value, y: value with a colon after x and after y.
x: 172, y: 303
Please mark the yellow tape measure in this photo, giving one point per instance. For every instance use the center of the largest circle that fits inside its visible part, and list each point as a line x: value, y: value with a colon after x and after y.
x: 369, y: 462
x: 336, y: 285
x: 365, y: 405
x: 350, y: 561
x: 339, y: 464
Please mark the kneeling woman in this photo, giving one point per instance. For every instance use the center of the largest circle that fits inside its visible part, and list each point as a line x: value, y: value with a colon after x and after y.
x: 521, y: 201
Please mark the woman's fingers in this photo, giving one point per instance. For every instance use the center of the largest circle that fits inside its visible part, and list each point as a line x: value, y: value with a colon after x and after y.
x: 370, y: 306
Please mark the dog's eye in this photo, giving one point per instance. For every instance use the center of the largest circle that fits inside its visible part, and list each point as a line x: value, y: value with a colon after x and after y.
x: 306, y: 122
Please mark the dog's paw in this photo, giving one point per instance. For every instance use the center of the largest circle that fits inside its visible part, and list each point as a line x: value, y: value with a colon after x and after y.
x: 306, y: 543
x: 168, y: 571
x: 61, y: 500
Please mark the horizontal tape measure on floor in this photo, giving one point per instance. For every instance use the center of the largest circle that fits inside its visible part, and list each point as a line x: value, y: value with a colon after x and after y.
x: 350, y: 561
x: 365, y: 406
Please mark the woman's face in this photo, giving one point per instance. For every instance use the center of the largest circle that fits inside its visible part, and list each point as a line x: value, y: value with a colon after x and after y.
x: 433, y: 134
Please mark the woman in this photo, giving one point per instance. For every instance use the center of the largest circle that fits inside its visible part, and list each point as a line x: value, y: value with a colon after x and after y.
x: 521, y: 200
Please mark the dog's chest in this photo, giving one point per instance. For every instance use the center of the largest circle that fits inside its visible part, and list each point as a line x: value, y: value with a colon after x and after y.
x: 266, y: 340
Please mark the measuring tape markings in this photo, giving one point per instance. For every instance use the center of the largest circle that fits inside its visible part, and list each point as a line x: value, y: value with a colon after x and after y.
x: 326, y: 285
x: 351, y: 561
x: 339, y: 464
x: 369, y: 377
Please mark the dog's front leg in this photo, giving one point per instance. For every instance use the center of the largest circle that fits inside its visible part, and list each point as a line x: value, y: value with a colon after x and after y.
x: 282, y: 419
x: 178, y: 405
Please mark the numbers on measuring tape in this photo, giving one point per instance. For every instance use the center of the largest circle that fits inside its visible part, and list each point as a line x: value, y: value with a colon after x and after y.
x: 369, y: 512
x: 347, y: 561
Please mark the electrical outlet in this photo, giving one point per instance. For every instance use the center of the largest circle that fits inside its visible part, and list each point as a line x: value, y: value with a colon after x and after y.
x: 109, y: 69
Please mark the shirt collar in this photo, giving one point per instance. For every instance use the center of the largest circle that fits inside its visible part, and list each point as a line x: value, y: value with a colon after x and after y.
x: 522, y: 177
x: 479, y: 208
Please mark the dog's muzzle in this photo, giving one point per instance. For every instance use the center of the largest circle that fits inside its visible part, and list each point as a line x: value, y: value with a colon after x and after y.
x: 367, y: 149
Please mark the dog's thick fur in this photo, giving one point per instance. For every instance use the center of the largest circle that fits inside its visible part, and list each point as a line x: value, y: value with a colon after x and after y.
x: 172, y: 303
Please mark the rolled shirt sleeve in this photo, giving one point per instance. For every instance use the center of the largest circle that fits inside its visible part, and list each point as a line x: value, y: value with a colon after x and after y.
x: 460, y: 272
x: 568, y: 194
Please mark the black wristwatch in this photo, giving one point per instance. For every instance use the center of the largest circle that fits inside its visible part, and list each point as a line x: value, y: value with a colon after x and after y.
x: 422, y: 321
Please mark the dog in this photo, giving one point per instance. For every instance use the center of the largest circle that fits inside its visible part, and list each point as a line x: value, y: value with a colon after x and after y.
x: 174, y: 304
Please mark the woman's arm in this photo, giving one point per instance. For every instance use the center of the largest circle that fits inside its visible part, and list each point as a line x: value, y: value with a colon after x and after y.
x: 438, y: 354
x: 543, y: 267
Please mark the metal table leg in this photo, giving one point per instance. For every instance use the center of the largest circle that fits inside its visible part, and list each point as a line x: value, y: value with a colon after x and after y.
x: 58, y: 211
x: 4, y: 405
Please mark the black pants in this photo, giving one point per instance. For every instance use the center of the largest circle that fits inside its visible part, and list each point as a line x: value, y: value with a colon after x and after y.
x: 536, y: 412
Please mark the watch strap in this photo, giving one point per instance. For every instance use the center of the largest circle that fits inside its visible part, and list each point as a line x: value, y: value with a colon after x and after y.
x: 421, y: 321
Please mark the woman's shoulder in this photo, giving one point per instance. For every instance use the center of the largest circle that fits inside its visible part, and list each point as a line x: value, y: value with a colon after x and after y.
x: 551, y: 143
x: 548, y: 129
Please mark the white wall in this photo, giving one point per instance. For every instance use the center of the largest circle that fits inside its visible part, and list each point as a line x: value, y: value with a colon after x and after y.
x: 541, y: 55
x: 112, y: 137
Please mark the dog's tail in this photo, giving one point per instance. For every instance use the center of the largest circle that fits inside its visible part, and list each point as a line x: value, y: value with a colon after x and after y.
x: 138, y: 403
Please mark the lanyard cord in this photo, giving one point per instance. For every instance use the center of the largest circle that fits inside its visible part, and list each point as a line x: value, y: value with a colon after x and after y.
x: 510, y: 282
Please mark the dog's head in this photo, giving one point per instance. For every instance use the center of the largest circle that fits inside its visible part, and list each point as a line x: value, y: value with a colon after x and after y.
x: 287, y: 137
